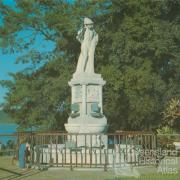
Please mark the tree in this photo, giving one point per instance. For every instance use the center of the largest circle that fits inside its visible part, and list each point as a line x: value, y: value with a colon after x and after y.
x: 143, y: 49
x: 34, y: 98
x: 172, y: 114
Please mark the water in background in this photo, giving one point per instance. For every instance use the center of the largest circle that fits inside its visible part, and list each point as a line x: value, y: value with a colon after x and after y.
x: 7, y: 129
x: 10, y: 129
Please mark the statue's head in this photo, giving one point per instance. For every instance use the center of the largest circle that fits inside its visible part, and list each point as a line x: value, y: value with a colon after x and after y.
x: 88, y: 23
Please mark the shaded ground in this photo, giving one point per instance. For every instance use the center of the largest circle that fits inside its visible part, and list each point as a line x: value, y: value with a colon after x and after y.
x: 12, y: 172
x: 9, y: 171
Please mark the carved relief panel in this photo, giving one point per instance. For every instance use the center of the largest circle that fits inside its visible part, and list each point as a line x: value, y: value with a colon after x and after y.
x: 92, y: 93
x: 77, y: 93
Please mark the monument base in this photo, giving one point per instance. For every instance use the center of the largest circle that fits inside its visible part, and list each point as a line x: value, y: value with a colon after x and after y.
x: 98, y: 141
x: 85, y: 128
x: 90, y: 128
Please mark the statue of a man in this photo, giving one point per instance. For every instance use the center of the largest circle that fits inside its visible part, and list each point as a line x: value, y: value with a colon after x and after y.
x: 88, y: 38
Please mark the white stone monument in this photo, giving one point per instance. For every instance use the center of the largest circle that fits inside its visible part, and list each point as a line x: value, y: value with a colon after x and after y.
x: 86, y: 87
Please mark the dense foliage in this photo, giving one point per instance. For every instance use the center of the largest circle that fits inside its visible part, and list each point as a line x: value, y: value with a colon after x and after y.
x: 137, y: 54
x: 5, y: 118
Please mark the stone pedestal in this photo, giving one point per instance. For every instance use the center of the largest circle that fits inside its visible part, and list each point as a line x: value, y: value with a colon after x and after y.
x: 87, y: 106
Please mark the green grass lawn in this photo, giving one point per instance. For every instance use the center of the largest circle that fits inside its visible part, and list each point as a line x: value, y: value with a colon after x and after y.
x: 8, y: 170
x: 153, y: 177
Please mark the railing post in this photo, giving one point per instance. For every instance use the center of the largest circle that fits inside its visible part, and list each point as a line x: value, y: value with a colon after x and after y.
x: 65, y: 149
x: 76, y: 151
x: 105, y: 163
x: 71, y: 166
x: 120, y: 157
x: 85, y: 149
x: 81, y: 159
x: 95, y: 154
x: 91, y: 150
x: 51, y: 160
x: 56, y: 151
x: 100, y: 149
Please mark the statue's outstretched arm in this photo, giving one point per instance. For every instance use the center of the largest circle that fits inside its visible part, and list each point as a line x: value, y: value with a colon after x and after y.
x: 79, y: 36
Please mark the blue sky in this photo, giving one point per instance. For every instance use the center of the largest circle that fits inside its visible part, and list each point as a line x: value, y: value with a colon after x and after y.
x: 7, y: 65
x: 7, y: 61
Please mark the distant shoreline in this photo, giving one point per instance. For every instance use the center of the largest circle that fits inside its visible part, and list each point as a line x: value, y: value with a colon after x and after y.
x: 7, y: 128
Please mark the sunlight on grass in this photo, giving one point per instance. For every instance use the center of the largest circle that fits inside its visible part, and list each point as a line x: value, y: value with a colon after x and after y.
x: 153, y: 177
